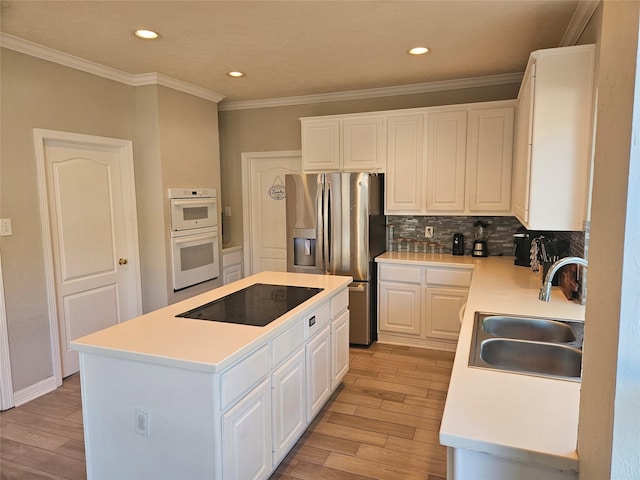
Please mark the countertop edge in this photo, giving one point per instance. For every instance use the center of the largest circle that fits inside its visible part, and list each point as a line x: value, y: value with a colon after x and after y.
x: 96, y: 344
x: 499, y: 286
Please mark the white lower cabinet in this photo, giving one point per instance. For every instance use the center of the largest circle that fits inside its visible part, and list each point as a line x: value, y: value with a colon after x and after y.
x: 246, y: 434
x: 419, y: 304
x: 289, y: 405
x: 318, y: 353
x: 231, y: 264
x: 339, y: 348
x: 399, y: 305
x: 442, y: 306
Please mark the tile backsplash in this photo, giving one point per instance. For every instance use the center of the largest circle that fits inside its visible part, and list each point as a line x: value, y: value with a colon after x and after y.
x: 501, y: 230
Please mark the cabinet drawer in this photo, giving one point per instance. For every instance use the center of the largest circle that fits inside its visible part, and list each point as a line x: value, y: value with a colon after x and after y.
x: 231, y: 258
x: 400, y: 273
x: 339, y: 303
x: 241, y: 378
x: 317, y: 320
x: 288, y: 342
x: 447, y: 276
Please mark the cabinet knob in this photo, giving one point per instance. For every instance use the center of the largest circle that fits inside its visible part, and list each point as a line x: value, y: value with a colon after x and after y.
x: 123, y: 261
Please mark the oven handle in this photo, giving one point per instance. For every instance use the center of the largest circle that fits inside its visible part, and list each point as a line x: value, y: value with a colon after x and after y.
x: 195, y: 238
x: 193, y: 202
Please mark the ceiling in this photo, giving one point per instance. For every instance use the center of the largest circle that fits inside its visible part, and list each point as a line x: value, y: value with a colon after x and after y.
x: 297, y: 48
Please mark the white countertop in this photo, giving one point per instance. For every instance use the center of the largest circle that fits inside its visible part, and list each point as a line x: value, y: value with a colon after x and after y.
x: 521, y: 417
x: 160, y: 337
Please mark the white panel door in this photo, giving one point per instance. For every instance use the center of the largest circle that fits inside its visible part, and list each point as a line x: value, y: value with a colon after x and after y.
x: 264, y: 209
x: 339, y: 348
x: 94, y: 238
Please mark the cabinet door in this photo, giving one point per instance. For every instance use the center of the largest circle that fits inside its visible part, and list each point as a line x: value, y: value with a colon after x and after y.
x: 442, y: 307
x: 404, y: 182
x: 231, y: 274
x: 289, y: 405
x: 522, y: 159
x: 246, y: 434
x: 399, y: 307
x: 446, y: 152
x: 339, y: 349
x: 489, y: 160
x: 318, y: 353
x: 363, y: 144
x: 320, y: 145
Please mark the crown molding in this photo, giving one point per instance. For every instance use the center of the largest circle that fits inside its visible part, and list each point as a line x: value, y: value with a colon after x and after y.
x: 33, y: 49
x: 582, y: 15
x: 56, y: 56
x: 492, y: 80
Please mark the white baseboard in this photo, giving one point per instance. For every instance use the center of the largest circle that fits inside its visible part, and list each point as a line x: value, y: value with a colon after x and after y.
x: 34, y: 391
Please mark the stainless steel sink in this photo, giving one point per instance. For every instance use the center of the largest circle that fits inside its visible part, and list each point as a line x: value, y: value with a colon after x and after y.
x: 535, y: 329
x: 532, y: 357
x: 527, y: 345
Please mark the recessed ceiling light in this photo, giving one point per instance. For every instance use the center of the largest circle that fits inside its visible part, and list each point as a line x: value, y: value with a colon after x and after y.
x: 236, y: 74
x: 146, y: 34
x: 418, y: 50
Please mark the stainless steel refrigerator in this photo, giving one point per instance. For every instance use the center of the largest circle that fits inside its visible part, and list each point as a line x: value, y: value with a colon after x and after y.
x: 336, y: 226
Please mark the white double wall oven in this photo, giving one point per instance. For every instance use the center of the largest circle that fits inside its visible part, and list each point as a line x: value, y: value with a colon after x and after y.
x: 194, y: 236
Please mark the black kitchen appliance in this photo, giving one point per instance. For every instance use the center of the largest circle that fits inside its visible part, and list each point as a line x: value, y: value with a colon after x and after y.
x: 257, y: 305
x: 458, y: 244
x: 522, y: 242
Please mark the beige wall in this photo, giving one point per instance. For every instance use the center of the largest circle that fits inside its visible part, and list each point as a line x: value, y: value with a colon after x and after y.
x: 278, y: 128
x: 609, y: 426
x: 36, y: 93
x: 175, y: 143
x: 190, y: 158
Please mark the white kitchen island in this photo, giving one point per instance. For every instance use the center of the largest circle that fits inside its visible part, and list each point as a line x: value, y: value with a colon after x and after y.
x: 168, y: 397
x: 499, y: 425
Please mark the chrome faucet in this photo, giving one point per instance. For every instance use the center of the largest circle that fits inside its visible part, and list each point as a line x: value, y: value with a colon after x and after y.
x: 545, y: 290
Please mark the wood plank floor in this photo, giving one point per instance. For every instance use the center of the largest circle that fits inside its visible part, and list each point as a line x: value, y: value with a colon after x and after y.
x: 382, y: 423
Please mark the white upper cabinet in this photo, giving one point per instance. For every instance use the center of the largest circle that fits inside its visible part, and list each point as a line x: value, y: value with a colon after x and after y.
x: 446, y: 155
x: 489, y: 159
x: 453, y: 160
x: 446, y: 160
x: 363, y: 144
x: 404, y: 184
x: 320, y: 145
x: 553, y: 139
x: 354, y: 143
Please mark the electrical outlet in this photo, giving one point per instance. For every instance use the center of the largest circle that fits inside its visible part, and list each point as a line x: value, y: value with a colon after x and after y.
x: 227, y: 211
x: 142, y: 426
x: 428, y: 232
x: 5, y: 227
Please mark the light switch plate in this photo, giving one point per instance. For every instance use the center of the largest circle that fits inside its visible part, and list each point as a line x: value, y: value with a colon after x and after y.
x: 5, y: 227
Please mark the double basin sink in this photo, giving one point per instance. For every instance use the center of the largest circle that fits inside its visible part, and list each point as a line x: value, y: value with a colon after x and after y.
x: 528, y: 345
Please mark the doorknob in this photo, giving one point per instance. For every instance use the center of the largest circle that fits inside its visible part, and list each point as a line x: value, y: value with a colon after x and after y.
x: 123, y: 261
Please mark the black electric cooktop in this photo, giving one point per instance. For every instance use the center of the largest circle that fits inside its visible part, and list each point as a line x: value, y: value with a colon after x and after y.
x: 257, y: 305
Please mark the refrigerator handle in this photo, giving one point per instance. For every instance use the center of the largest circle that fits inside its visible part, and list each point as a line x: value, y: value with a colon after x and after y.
x: 327, y: 226
x: 320, y: 227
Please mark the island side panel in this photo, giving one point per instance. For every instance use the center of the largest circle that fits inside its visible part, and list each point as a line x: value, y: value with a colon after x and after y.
x: 180, y: 406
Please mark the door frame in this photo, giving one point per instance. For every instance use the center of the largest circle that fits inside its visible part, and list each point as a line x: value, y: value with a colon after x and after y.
x: 246, y: 158
x: 125, y: 150
x: 6, y: 383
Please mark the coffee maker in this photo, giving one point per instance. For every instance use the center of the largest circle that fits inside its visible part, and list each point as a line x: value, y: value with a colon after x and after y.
x: 480, y: 243
x: 522, y: 242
